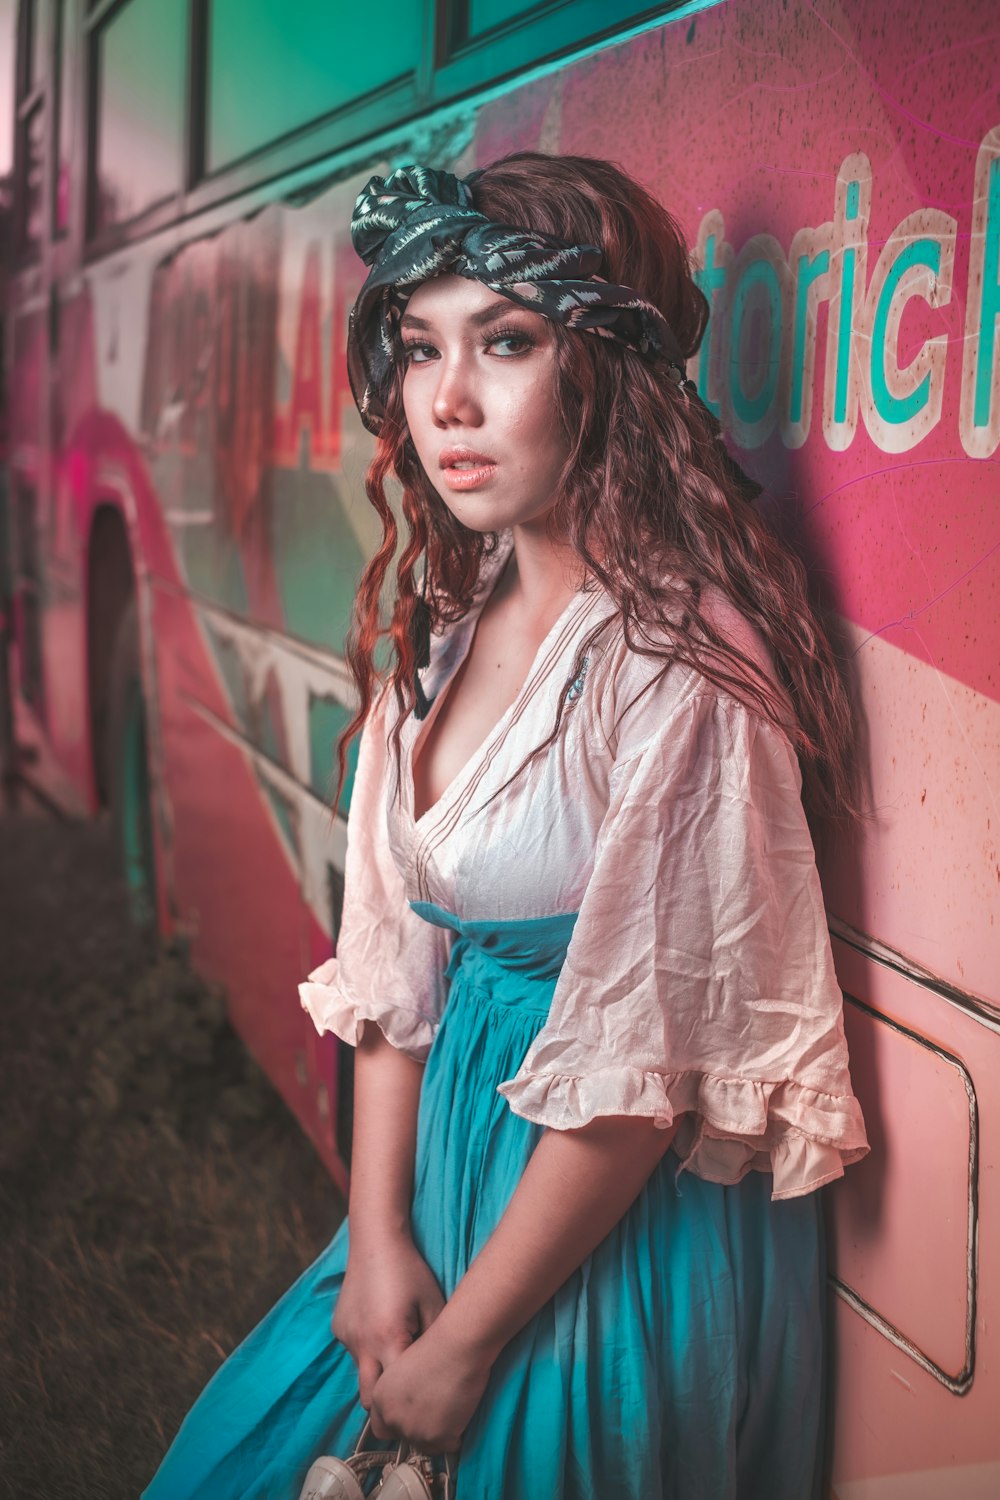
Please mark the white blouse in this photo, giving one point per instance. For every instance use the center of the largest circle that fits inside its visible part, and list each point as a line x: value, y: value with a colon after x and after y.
x: 699, y: 977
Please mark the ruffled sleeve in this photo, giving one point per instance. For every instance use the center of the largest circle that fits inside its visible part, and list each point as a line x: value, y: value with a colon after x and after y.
x: 389, y: 965
x: 699, y: 979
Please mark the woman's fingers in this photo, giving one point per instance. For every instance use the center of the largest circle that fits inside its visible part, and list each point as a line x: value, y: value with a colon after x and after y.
x: 429, y: 1307
x: 369, y: 1371
x: 380, y: 1427
x: 370, y: 1367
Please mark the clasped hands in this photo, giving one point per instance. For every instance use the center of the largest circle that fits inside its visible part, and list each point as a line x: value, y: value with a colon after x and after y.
x: 417, y: 1380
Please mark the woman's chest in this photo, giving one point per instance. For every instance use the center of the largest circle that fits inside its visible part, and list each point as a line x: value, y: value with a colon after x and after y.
x: 475, y: 700
x: 506, y: 827
x: 518, y: 840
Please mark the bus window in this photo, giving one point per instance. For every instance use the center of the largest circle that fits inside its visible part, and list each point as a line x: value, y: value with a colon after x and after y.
x: 62, y: 74
x: 30, y: 133
x: 140, y: 56
x: 482, y: 41
x: 34, y: 48
x: 484, y: 15
x: 32, y: 129
x: 298, y: 62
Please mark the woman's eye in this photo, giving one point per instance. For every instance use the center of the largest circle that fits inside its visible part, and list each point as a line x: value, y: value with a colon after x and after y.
x: 509, y: 343
x: 410, y: 351
x: 511, y: 337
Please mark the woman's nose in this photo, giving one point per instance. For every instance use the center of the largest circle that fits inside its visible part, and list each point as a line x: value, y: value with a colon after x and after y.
x: 455, y: 398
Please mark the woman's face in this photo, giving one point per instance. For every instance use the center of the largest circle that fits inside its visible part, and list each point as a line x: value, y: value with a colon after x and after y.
x: 479, y: 394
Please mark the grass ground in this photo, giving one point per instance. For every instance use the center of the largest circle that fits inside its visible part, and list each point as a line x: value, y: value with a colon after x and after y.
x: 156, y: 1197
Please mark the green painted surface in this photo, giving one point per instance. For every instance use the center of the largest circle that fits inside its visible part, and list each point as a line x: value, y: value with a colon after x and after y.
x: 524, y: 42
x: 214, y: 569
x: 485, y: 14
x: 228, y: 662
x: 282, y: 813
x: 296, y: 62
x: 209, y: 554
x: 317, y: 558
x: 268, y: 737
x: 327, y: 721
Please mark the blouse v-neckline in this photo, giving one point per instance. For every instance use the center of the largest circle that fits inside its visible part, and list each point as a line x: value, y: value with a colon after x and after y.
x: 469, y: 626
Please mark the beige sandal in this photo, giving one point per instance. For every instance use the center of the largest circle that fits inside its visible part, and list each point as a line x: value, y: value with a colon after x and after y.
x: 408, y: 1476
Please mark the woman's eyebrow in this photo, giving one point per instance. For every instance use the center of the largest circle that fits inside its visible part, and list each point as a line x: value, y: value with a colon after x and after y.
x: 485, y: 315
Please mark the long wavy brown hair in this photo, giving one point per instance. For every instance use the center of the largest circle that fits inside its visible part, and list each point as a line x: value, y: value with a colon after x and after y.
x: 648, y: 497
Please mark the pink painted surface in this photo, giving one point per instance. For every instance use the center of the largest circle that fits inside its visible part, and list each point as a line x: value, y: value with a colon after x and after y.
x: 232, y: 886
x: 751, y: 124
x: 902, y: 1243
x: 903, y: 1249
x: 751, y: 120
x: 751, y: 111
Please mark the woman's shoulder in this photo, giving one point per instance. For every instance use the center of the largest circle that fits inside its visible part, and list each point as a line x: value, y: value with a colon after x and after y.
x: 641, y: 685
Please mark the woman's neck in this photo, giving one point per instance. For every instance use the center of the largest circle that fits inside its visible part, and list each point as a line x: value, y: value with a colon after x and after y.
x: 539, y: 572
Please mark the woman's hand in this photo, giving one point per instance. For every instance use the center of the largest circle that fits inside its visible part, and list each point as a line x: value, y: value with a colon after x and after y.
x: 389, y: 1297
x: 430, y: 1393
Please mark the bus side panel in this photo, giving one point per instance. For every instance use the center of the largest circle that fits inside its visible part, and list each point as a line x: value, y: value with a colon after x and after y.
x: 837, y: 171
x: 235, y: 878
x: 267, y: 552
x: 844, y: 245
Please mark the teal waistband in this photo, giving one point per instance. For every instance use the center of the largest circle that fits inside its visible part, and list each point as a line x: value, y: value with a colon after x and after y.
x: 510, y: 962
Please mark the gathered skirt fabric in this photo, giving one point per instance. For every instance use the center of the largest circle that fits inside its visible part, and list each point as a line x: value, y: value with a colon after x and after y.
x: 684, y: 1359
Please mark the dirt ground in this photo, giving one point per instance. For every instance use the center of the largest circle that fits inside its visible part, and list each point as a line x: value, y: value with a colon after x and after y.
x: 156, y: 1197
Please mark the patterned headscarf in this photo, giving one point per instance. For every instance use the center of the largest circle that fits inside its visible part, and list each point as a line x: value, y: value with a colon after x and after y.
x: 419, y: 222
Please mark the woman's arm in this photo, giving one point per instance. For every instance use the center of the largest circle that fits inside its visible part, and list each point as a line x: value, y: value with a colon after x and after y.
x: 386, y: 1095
x: 575, y: 1188
x: 389, y: 1294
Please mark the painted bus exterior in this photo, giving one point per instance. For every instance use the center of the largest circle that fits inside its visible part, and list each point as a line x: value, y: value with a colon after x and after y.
x: 182, y: 442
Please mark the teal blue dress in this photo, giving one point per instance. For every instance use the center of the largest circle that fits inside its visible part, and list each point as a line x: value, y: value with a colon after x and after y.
x: 686, y: 1357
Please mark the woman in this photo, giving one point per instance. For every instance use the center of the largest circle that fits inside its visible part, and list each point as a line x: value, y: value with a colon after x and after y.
x: 606, y: 1073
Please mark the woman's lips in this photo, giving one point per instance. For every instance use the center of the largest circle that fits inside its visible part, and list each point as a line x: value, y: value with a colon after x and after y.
x: 468, y: 478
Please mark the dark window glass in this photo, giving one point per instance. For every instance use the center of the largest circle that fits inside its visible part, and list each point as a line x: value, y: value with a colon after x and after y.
x: 141, y: 71
x: 25, y: 33
x: 482, y: 41
x: 38, y: 69
x: 31, y: 65
x: 273, y: 68
x: 31, y: 132
x: 485, y: 14
x: 64, y: 125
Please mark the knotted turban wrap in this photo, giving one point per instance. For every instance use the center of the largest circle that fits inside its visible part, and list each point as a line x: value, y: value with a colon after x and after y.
x: 418, y: 222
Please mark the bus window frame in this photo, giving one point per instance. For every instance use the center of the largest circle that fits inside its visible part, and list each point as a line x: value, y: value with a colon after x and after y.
x: 392, y: 102
x: 457, y: 54
x: 165, y: 211
x: 60, y: 26
x: 29, y: 101
x: 448, y: 71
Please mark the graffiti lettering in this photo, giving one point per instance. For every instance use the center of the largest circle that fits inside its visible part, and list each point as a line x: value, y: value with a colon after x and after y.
x: 756, y: 366
x: 319, y: 384
x: 980, y: 406
x: 305, y: 409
